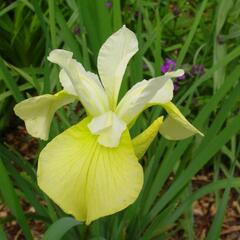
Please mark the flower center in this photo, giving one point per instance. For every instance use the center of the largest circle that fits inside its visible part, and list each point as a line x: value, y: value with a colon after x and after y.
x: 109, y: 128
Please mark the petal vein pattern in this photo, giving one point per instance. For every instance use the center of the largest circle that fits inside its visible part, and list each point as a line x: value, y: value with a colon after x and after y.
x: 91, y: 179
x: 77, y: 81
x: 37, y: 112
x: 176, y: 126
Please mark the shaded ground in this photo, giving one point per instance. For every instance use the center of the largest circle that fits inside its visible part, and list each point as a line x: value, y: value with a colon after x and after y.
x: 26, y: 145
x: 204, y: 209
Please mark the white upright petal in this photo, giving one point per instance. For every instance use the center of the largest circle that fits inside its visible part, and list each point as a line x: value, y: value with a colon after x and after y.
x: 37, y: 112
x: 67, y: 83
x: 108, y: 127
x: 113, y: 58
x: 164, y: 94
x: 77, y: 81
x: 139, y: 96
x: 174, y: 74
x: 157, y: 90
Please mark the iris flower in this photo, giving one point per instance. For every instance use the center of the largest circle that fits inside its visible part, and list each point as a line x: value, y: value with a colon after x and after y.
x: 91, y: 169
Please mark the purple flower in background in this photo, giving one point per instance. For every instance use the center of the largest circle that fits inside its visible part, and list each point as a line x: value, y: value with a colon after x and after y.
x: 181, y: 77
x: 176, y: 87
x: 145, y: 66
x: 108, y: 4
x: 194, y: 101
x: 197, y: 70
x: 168, y: 66
x: 175, y: 10
x: 137, y: 15
x: 77, y: 30
x: 193, y: 71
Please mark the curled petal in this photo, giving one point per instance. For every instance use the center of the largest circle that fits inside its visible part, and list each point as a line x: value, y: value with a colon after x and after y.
x: 77, y: 81
x: 142, y: 95
x: 37, y: 112
x: 164, y: 94
x: 67, y: 83
x: 113, y: 58
x: 86, y: 179
x: 176, y: 126
x: 108, y: 127
x: 142, y: 142
x: 174, y: 74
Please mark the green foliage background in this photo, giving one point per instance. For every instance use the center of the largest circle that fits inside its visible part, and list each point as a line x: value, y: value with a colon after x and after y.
x: 189, y: 32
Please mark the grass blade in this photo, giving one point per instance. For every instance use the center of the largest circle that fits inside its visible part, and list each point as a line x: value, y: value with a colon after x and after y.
x: 10, y: 82
x: 52, y: 23
x: 2, y: 234
x: 201, y: 159
x: 176, y: 213
x: 57, y: 230
x: 188, y: 41
x: 215, y: 229
x: 67, y: 35
x: 12, y: 201
x: 229, y: 57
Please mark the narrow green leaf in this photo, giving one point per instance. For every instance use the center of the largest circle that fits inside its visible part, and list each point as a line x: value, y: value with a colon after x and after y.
x: 26, y: 188
x: 87, y: 11
x: 22, y: 88
x: 220, y: 49
x: 51, y: 4
x: 215, y: 229
x: 8, y: 153
x: 10, y: 82
x: 201, y: 159
x: 161, y: 221
x: 117, y: 18
x: 12, y: 201
x: 221, y: 63
x: 67, y: 35
x: 190, y: 36
x: 9, y: 8
x: 2, y: 234
x: 57, y: 230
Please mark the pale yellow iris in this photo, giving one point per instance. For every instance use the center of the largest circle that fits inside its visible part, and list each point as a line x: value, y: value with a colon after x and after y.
x: 91, y: 170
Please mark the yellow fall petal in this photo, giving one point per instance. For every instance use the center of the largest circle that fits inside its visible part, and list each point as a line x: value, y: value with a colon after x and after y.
x: 176, y: 126
x: 86, y: 179
x: 37, y: 112
x: 142, y: 142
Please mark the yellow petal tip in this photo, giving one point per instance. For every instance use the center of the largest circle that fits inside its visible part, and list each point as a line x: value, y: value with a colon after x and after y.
x: 142, y: 142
